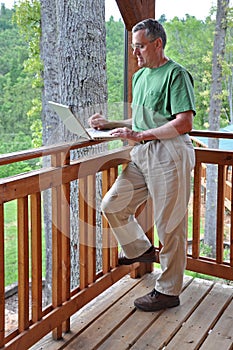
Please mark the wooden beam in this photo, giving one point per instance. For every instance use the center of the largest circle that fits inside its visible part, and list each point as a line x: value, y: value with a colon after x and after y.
x: 133, y: 11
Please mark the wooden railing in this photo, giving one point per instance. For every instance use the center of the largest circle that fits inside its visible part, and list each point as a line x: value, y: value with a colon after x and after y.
x: 220, y: 266
x: 34, y: 320
x: 228, y: 171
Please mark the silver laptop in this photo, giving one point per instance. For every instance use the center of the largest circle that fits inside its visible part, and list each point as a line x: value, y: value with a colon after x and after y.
x: 75, y: 125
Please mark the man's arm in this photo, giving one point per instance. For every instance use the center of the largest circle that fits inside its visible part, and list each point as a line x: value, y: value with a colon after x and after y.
x: 97, y: 121
x: 180, y: 125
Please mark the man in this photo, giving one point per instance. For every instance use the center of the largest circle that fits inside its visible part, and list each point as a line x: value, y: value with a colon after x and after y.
x: 160, y: 167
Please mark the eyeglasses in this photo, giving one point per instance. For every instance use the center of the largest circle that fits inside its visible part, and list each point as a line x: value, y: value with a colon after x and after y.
x: 141, y: 46
x: 137, y: 46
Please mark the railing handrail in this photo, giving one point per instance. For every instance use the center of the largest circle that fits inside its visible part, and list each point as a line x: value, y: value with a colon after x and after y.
x: 19, y: 156
x: 13, y: 157
x: 44, y: 178
x: 212, y: 134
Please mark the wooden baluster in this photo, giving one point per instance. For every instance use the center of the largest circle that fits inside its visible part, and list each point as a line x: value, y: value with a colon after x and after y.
x: 83, y: 219
x: 36, y: 249
x: 112, y: 240
x: 56, y: 247
x: 23, y: 264
x: 91, y: 229
x: 196, y: 209
x: 65, y: 237
x: 105, y: 226
x: 220, y: 213
x: 65, y: 209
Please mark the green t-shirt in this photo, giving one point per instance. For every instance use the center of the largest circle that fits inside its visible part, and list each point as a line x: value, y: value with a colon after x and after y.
x: 159, y: 94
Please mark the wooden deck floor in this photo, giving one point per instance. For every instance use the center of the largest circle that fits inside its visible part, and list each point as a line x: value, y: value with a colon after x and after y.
x: 204, y: 320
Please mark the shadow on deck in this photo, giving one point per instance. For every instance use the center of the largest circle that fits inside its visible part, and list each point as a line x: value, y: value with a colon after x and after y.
x: 204, y: 320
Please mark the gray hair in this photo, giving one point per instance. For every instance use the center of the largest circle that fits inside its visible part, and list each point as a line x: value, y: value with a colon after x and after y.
x: 153, y: 30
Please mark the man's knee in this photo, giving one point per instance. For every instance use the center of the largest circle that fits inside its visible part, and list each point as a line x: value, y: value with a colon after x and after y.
x: 111, y: 207
x: 107, y: 204
x: 104, y: 206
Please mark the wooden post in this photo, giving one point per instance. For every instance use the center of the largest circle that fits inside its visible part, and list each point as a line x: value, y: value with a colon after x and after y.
x: 2, y: 274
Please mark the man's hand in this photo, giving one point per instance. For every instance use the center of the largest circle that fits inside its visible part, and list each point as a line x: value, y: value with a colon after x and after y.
x: 99, y: 122
x: 126, y: 133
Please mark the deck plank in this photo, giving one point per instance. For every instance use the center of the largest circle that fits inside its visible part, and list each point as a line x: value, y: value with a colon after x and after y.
x: 112, y: 322
x: 171, y: 320
x: 195, y: 329
x: 112, y: 319
x: 133, y: 328
x: 221, y: 336
x: 87, y: 315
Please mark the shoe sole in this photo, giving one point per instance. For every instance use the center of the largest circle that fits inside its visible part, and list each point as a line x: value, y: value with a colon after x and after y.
x: 136, y: 260
x: 158, y: 308
x: 149, y: 260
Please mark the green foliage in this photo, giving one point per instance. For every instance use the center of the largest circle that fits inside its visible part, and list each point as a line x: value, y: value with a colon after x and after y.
x: 115, y: 67
x: 5, y: 18
x: 11, y: 248
x: 36, y: 126
x: 228, y: 70
x: 205, y: 249
x: 16, y: 94
x: 27, y: 18
x: 190, y: 43
x: 19, y: 119
x: 18, y: 141
x: 115, y: 59
x: 201, y: 275
x: 10, y: 244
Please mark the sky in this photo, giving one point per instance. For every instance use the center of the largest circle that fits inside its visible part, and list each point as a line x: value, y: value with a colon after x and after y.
x: 171, y: 8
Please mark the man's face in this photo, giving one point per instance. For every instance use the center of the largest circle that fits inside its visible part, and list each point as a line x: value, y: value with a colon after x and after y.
x: 145, y: 51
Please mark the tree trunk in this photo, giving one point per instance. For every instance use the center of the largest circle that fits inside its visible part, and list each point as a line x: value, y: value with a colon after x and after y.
x: 73, y: 50
x: 214, y: 122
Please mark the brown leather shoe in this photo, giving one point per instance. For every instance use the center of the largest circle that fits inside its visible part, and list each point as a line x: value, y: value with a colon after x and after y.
x: 155, y: 301
x: 148, y: 257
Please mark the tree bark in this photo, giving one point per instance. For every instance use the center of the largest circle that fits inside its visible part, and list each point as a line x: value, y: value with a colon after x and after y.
x: 214, y: 122
x: 73, y: 50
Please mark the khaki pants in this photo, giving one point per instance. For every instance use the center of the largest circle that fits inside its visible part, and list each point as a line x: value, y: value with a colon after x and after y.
x: 160, y: 169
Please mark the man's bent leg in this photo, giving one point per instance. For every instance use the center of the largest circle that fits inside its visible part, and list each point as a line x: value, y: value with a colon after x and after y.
x: 119, y: 206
